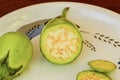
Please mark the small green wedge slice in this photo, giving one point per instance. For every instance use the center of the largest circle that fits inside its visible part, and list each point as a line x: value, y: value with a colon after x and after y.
x: 102, y: 65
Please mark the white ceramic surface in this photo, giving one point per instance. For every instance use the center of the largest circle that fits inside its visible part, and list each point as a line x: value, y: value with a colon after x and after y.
x: 103, y: 36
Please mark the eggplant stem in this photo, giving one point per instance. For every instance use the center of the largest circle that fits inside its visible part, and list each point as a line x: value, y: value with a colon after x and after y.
x: 65, y: 12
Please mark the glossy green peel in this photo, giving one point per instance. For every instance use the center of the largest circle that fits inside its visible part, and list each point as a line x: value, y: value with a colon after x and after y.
x: 15, y: 53
x: 60, y: 40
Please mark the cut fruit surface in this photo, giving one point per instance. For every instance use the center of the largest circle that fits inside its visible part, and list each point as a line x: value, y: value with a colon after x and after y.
x: 61, y: 43
x: 92, y: 75
x: 60, y: 40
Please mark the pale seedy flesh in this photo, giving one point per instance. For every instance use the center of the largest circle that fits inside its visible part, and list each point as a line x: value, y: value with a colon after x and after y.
x: 61, y: 43
x: 92, y: 75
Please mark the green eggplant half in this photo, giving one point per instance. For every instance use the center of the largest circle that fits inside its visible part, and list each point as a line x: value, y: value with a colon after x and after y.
x: 15, y: 53
x: 60, y: 40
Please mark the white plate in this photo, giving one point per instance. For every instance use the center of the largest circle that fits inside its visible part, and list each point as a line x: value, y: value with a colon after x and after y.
x: 90, y: 18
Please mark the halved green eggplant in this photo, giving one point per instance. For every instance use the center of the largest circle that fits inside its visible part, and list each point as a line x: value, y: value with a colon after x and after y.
x: 60, y: 40
x: 15, y: 54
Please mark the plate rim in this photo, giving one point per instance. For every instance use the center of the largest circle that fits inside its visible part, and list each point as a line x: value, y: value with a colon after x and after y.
x: 47, y: 3
x: 53, y: 2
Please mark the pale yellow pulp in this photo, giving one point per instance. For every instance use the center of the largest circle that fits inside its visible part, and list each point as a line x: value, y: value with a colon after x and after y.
x: 61, y: 43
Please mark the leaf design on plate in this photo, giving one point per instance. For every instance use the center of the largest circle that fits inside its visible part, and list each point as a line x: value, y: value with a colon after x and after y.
x: 86, y: 42
x: 89, y: 45
x: 107, y: 39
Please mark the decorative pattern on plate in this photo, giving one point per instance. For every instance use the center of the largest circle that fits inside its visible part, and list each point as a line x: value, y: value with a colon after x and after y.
x: 89, y: 45
x: 107, y: 39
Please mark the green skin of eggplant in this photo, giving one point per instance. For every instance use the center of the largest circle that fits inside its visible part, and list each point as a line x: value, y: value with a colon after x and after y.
x: 60, y: 20
x: 15, y: 53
